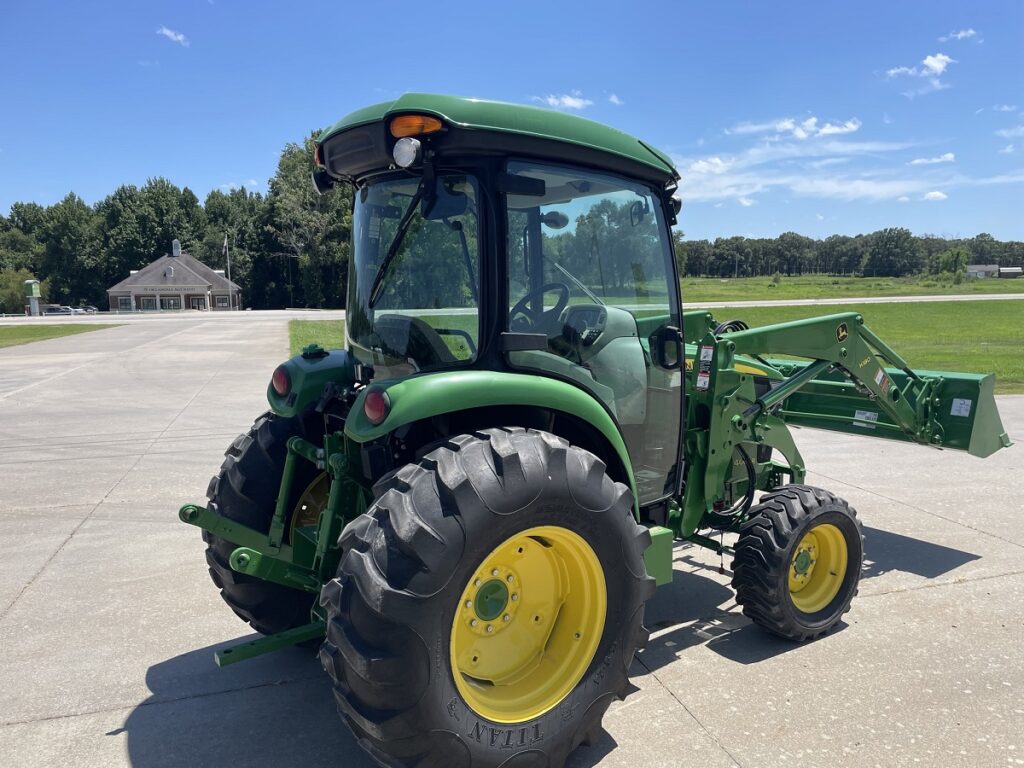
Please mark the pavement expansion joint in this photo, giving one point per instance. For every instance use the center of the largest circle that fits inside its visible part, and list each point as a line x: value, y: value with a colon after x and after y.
x: 166, y: 700
x: 121, y: 479
x: 686, y: 709
x: 921, y: 509
x: 954, y: 583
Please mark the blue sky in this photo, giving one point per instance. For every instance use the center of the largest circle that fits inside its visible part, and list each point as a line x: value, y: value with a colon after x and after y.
x: 815, y: 117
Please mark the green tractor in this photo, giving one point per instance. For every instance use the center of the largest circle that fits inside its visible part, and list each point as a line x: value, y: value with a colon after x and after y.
x: 468, y: 506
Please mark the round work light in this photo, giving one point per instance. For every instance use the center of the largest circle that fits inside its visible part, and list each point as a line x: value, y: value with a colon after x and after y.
x: 407, y: 151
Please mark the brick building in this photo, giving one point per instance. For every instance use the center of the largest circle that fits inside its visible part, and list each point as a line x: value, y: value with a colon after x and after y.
x: 175, y: 281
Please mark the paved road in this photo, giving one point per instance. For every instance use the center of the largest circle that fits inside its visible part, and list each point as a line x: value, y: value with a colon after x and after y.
x: 108, y: 621
x: 339, y: 314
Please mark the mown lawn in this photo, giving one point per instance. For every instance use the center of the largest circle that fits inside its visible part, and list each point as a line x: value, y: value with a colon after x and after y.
x: 329, y: 334
x: 10, y: 335
x: 696, y: 290
x: 974, y: 336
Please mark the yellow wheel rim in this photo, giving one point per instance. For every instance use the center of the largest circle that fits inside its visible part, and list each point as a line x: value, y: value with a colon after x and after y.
x: 818, y: 568
x: 528, y: 624
x: 313, y: 501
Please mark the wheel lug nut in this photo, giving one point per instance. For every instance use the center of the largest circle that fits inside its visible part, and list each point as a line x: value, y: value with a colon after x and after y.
x: 494, y: 572
x: 506, y: 617
x: 490, y: 629
x: 510, y: 578
x: 473, y: 622
x: 476, y: 582
x: 469, y: 603
x: 515, y: 596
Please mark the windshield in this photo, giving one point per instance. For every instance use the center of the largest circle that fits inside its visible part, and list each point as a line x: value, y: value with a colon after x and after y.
x: 414, y: 274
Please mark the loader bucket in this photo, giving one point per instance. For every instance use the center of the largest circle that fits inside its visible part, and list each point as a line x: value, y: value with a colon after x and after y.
x: 959, y: 414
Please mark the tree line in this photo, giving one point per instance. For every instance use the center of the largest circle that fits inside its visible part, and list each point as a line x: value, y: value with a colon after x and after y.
x: 290, y: 246
x: 893, y: 252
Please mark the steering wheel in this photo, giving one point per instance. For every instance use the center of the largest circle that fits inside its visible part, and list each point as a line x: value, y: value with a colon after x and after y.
x: 540, y: 318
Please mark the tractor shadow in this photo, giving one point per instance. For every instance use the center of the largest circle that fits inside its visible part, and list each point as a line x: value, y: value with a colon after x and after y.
x: 270, y: 711
x: 885, y: 552
x: 699, y: 607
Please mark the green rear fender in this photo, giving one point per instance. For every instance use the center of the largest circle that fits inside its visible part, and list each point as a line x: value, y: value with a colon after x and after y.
x: 307, y: 375
x: 429, y: 395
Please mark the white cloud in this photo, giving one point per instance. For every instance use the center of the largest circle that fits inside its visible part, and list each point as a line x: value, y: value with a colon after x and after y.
x: 963, y: 34
x: 803, y: 129
x: 819, y: 217
x: 832, y: 129
x: 571, y: 100
x: 616, y: 100
x: 936, y: 63
x: 902, y: 199
x: 746, y: 202
x: 1005, y: 107
x: 1009, y: 149
x: 252, y: 183
x: 947, y: 157
x: 173, y: 36
x: 932, y: 66
x: 709, y: 165
x: 830, y: 161
x: 935, y: 195
x: 886, y: 119
x: 1011, y: 133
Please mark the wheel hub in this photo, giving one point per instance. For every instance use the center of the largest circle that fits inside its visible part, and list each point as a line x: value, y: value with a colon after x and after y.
x: 491, y: 600
x: 528, y: 624
x: 818, y: 567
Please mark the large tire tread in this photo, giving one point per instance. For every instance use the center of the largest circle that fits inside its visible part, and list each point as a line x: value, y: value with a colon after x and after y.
x: 245, y: 490
x: 762, y: 558
x: 379, y: 666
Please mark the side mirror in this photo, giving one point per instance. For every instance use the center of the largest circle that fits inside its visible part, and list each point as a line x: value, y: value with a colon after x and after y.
x: 444, y: 204
x: 555, y: 220
x: 638, y: 210
x: 322, y: 181
x: 675, y: 206
x: 667, y: 347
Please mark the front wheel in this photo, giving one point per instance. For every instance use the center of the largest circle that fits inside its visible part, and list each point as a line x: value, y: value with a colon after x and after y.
x: 798, y: 561
x: 488, y: 605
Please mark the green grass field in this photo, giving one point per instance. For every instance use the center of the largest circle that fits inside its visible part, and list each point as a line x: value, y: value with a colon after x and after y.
x: 696, y: 290
x: 11, y: 335
x: 329, y: 334
x: 973, y: 336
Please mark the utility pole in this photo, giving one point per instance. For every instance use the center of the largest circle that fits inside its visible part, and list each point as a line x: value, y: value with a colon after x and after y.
x: 227, y: 255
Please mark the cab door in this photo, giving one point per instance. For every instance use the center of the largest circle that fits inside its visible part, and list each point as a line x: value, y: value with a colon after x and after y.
x: 590, y: 267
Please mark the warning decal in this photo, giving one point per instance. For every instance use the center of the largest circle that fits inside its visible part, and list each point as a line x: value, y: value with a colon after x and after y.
x: 961, y: 407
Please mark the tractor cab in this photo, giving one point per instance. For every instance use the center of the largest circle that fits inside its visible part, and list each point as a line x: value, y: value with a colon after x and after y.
x: 544, y: 250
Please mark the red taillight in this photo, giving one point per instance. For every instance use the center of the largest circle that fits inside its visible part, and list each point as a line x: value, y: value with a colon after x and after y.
x: 376, y: 406
x: 281, y: 381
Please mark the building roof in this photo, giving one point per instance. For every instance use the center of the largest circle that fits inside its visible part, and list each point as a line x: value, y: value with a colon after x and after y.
x: 479, y: 114
x: 171, y: 270
x: 982, y: 267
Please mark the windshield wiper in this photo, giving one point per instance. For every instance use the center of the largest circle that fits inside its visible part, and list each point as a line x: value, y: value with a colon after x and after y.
x: 572, y: 277
x: 396, y: 243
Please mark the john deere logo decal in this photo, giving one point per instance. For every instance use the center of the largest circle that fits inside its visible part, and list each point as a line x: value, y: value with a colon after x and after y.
x: 842, y: 332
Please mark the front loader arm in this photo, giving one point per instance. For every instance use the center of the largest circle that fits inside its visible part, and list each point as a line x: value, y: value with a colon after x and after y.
x: 848, y: 380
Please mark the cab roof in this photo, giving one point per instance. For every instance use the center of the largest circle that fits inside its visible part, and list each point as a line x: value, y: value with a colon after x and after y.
x: 519, y: 119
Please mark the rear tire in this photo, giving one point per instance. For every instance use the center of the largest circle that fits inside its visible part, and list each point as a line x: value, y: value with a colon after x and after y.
x: 798, y: 561
x: 399, y: 606
x: 245, y: 490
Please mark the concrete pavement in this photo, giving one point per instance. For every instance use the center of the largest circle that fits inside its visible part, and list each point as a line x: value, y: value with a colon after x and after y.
x: 108, y: 620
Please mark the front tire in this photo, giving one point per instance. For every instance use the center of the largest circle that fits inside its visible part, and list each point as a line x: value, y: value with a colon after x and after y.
x: 424, y: 597
x: 798, y: 561
x: 245, y: 490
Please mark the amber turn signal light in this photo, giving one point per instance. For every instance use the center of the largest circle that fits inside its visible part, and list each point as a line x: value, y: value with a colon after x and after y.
x: 414, y: 125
